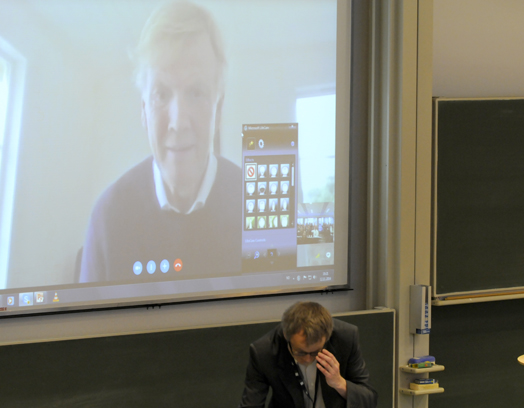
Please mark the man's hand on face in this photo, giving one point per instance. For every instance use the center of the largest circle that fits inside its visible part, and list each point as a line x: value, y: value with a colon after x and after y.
x: 329, y: 366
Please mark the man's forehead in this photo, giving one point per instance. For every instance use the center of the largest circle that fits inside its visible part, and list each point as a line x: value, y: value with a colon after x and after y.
x: 194, y: 59
x: 171, y: 51
x: 299, y: 340
x: 172, y: 74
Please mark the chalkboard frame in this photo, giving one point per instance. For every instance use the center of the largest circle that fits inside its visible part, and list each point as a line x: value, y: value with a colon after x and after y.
x: 192, y: 367
x: 476, y: 289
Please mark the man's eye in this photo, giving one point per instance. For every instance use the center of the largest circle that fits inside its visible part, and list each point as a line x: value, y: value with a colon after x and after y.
x: 160, y: 96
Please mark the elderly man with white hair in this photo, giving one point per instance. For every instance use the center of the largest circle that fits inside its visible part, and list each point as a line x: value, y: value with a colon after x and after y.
x: 184, y: 201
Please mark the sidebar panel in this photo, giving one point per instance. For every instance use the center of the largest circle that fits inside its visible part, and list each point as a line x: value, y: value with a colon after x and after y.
x: 269, y: 195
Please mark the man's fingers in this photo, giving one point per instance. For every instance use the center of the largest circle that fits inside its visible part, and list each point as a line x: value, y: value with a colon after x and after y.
x: 322, y: 369
x: 327, y: 353
x: 327, y: 357
x: 325, y: 365
x: 324, y: 360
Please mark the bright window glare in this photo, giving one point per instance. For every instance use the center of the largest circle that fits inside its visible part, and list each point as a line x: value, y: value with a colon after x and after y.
x: 3, y: 103
x: 11, y: 64
x: 4, y: 228
x: 317, y: 116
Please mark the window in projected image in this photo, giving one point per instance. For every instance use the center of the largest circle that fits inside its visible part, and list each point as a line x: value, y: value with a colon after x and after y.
x: 3, y: 103
x: 11, y: 89
x: 171, y: 151
x: 5, y: 215
x: 316, y: 209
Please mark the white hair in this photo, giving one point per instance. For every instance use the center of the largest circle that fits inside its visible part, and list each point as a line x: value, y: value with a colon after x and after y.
x: 166, y: 28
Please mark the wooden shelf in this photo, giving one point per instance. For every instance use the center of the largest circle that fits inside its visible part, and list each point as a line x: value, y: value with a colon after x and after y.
x: 408, y: 391
x: 412, y: 370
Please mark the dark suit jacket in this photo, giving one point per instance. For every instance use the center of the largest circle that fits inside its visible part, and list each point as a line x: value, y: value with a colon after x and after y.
x: 270, y: 365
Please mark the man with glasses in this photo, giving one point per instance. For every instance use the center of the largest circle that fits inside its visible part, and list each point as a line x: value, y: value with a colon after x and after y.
x: 309, y: 360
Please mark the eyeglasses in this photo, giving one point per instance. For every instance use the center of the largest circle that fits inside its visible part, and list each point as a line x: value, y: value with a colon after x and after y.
x: 304, y: 353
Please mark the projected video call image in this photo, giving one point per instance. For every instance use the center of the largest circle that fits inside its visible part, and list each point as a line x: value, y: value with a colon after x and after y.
x: 184, y: 187
x: 130, y: 156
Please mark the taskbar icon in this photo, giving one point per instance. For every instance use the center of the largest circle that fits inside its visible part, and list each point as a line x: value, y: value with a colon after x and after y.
x: 39, y: 297
x: 25, y: 299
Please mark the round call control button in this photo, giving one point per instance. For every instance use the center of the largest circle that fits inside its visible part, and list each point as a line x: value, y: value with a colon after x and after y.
x: 178, y: 264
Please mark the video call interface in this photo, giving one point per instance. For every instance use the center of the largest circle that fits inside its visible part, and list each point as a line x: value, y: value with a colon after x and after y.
x: 90, y: 217
x: 269, y: 199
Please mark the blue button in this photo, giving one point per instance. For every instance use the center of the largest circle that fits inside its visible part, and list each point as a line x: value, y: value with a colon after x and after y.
x: 164, y: 266
x: 151, y: 267
x: 25, y: 299
x: 137, y: 268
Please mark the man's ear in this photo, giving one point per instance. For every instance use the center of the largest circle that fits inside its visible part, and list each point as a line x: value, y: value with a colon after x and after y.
x: 218, y: 114
x: 143, y: 115
x: 218, y: 123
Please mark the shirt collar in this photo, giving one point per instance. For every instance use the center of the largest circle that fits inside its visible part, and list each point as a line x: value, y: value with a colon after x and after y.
x: 203, y: 192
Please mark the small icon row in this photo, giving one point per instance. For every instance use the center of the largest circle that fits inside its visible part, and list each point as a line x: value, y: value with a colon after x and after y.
x: 31, y: 298
x: 251, y: 142
x: 262, y: 222
x: 260, y: 171
x: 260, y: 205
x: 151, y: 266
x: 270, y: 254
x: 261, y: 187
x: 300, y: 278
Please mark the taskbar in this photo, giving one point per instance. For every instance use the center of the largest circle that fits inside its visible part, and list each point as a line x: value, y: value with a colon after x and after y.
x: 49, y: 299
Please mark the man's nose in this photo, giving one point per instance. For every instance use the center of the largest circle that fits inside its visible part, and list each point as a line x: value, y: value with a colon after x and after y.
x: 309, y: 358
x: 177, y: 113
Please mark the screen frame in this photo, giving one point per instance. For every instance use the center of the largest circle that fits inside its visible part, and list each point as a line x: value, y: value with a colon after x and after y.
x: 342, y: 209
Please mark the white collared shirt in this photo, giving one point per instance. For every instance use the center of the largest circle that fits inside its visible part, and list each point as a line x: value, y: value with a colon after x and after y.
x: 203, y: 192
x: 309, y: 374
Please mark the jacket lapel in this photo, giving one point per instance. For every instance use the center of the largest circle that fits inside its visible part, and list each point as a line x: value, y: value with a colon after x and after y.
x: 286, y: 372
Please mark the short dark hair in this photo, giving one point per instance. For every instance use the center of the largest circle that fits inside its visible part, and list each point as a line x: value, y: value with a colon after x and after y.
x: 309, y: 317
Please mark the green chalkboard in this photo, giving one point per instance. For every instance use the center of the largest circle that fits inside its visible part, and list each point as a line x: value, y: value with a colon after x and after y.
x: 479, y: 345
x: 186, y: 368
x: 479, y: 194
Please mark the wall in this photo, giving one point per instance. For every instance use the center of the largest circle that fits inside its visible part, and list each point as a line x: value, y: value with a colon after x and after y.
x: 478, y: 53
x: 478, y: 48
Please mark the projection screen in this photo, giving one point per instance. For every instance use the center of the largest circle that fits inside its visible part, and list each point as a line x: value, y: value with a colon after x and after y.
x: 157, y: 152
